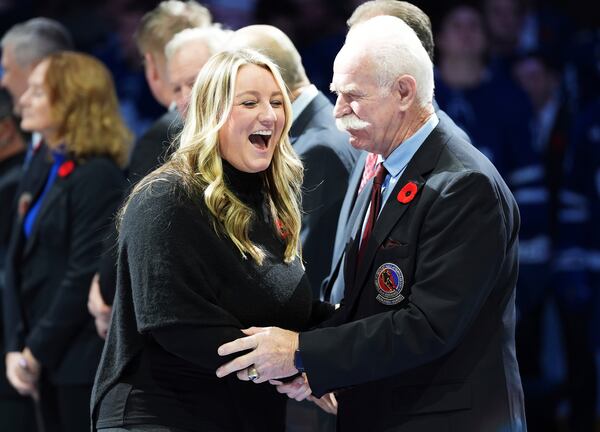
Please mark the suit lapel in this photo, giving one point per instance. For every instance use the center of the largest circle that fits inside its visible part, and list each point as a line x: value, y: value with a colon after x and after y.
x: 354, y: 230
x: 49, y: 201
x: 421, y: 164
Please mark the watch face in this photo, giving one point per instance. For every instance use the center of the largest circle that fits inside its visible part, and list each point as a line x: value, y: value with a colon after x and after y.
x: 298, y: 361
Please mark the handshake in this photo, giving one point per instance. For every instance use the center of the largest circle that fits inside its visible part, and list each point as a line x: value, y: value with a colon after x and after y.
x: 270, y: 359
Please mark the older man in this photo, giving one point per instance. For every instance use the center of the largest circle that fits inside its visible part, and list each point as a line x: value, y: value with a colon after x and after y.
x: 333, y: 286
x: 424, y: 340
x: 324, y: 150
x: 186, y: 53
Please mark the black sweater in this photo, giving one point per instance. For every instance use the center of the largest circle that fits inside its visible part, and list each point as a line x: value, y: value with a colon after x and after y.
x: 182, y: 291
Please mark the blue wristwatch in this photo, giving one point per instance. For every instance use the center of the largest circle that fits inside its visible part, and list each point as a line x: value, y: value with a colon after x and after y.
x: 298, y: 361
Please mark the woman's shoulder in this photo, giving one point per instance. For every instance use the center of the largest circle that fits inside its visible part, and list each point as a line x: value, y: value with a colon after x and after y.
x: 162, y: 196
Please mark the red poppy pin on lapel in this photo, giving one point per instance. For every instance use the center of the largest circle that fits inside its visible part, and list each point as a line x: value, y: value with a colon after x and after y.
x: 66, y: 168
x: 282, y: 231
x: 408, y: 192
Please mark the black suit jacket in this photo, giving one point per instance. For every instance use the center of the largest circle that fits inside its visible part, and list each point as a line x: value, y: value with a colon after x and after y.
x: 332, y: 287
x: 152, y: 148
x: 442, y: 358
x: 328, y: 160
x: 49, y: 273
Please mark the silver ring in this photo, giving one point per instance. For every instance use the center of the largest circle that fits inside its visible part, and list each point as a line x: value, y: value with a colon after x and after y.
x: 253, y: 373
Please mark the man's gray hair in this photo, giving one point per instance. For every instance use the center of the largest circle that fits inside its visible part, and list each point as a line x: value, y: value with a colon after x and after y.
x: 213, y: 36
x: 33, y: 40
x: 395, y: 50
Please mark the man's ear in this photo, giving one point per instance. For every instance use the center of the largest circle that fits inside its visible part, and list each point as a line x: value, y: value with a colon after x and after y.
x: 405, y: 88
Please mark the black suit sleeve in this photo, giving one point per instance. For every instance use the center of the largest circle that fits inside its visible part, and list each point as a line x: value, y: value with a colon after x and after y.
x: 461, y: 249
x: 94, y: 198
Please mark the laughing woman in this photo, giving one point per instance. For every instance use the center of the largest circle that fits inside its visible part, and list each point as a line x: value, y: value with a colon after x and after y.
x: 53, y: 349
x: 209, y: 245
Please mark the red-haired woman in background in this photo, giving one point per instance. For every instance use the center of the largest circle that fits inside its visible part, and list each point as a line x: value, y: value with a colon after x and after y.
x: 51, y: 343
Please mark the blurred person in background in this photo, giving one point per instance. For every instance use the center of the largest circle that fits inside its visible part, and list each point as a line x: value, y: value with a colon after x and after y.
x: 577, y: 276
x: 156, y: 28
x: 15, y: 410
x: 186, y: 53
x: 52, y: 350
x: 12, y: 154
x: 24, y: 45
x: 498, y: 116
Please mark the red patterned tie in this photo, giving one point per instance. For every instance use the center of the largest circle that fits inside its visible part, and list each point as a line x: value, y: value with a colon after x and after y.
x: 368, y: 171
x: 380, y: 174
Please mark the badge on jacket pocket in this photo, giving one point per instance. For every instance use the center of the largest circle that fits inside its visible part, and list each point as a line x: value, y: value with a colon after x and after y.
x: 389, y: 282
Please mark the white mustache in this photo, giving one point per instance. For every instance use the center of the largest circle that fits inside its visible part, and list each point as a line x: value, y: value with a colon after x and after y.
x: 350, y: 121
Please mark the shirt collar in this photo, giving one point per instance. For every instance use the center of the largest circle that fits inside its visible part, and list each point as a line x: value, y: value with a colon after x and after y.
x: 306, y: 96
x: 401, y: 156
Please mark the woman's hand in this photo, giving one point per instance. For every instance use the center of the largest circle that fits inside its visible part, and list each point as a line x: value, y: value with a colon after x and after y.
x: 297, y: 389
x: 98, y: 309
x: 327, y: 403
x: 23, y: 371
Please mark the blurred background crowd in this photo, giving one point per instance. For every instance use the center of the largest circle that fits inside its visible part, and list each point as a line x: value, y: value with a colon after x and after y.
x: 522, y: 78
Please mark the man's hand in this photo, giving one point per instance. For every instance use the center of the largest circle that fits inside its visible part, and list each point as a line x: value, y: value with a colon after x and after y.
x: 298, y: 389
x: 23, y: 371
x: 97, y: 308
x: 272, y: 354
x: 327, y: 403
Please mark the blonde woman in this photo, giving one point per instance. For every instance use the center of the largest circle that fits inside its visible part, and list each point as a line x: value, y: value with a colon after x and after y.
x: 209, y: 245
x: 53, y: 349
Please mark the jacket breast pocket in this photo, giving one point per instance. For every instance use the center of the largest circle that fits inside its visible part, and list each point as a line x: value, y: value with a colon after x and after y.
x: 393, y: 247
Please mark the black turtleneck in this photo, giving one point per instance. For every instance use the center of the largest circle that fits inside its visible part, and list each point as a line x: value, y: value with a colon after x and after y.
x: 184, y: 290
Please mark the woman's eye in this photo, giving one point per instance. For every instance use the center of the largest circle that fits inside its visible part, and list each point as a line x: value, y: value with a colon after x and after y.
x: 276, y: 103
x: 249, y: 103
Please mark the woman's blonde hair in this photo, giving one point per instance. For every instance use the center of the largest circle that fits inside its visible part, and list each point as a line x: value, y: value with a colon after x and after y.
x: 197, y: 160
x: 84, y: 103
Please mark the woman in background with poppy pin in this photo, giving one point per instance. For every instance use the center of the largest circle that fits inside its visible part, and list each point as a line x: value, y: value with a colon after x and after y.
x: 52, y: 346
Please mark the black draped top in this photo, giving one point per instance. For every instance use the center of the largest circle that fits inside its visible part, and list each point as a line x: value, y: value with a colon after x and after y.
x: 184, y: 289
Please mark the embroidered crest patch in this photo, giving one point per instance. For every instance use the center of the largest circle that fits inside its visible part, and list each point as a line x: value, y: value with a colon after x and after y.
x: 389, y: 282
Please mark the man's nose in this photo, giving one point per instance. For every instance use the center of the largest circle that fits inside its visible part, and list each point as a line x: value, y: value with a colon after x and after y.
x: 341, y: 108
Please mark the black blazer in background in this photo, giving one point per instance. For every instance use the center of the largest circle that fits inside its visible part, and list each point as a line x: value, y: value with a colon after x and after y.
x: 328, y: 159
x: 150, y: 151
x: 49, y: 273
x: 443, y: 358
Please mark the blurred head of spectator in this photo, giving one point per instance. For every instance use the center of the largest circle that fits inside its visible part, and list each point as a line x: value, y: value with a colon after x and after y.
x: 24, y: 46
x: 407, y: 12
x: 539, y: 76
x: 504, y: 20
x: 277, y: 46
x: 461, y: 44
x: 155, y: 30
x: 186, y: 53
x: 71, y: 101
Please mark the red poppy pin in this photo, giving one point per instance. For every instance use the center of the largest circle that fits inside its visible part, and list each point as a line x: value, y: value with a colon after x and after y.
x: 408, y: 192
x: 282, y: 231
x: 66, y: 168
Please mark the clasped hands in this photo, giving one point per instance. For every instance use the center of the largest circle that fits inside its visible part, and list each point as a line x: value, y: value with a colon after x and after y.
x: 273, y: 357
x: 23, y: 372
